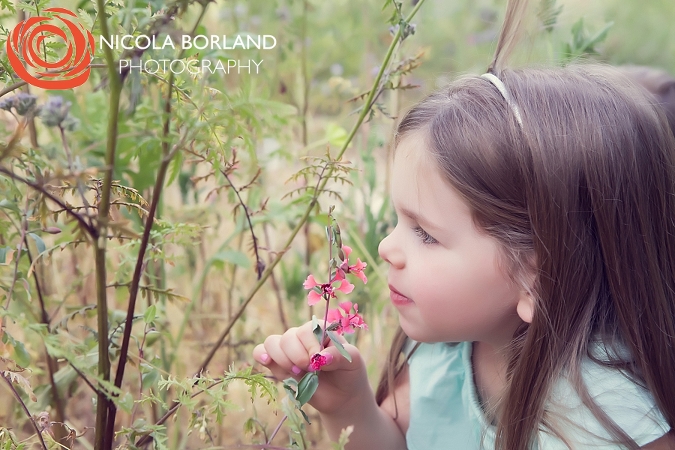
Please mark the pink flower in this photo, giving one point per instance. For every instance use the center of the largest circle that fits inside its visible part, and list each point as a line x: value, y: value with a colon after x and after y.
x: 356, y: 269
x: 346, y: 321
x: 317, y: 361
x: 325, y: 290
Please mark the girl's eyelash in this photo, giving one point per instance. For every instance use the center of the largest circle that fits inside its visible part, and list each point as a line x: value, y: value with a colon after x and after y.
x: 426, y: 237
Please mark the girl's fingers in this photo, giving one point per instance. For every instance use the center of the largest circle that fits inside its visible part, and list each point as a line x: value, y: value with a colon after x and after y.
x: 276, y: 353
x: 262, y: 355
x: 336, y: 361
x: 295, y: 351
x: 291, y: 354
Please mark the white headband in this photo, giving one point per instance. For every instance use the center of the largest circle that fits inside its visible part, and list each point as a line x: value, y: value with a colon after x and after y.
x: 502, y: 89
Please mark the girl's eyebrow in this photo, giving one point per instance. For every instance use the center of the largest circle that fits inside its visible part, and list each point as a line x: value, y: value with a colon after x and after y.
x: 419, y: 219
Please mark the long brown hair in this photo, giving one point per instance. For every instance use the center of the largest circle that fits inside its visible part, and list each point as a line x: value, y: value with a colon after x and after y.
x: 659, y: 83
x: 582, y: 197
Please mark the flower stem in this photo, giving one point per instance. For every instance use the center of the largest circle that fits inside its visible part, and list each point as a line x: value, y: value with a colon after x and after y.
x: 276, y: 430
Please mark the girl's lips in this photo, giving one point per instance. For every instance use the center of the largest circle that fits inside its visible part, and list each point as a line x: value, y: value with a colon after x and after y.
x: 397, y: 298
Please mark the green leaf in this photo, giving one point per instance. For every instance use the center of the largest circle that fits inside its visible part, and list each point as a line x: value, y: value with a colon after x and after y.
x: 307, y: 387
x: 333, y: 337
x: 599, y: 36
x: 21, y: 355
x: 126, y: 402
x: 150, y: 314
x: 4, y: 251
x: 292, y: 383
x: 150, y: 378
x: 305, y: 416
x: 336, y: 135
x: 6, y: 204
x: 291, y: 388
x: 174, y: 168
x: 316, y: 329
x: 233, y: 257
x: 7, y: 5
x: 39, y: 242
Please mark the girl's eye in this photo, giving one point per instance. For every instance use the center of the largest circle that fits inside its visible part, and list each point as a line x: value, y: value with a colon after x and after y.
x: 424, y: 236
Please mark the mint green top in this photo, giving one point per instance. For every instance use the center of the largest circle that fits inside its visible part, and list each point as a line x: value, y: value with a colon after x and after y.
x: 445, y: 412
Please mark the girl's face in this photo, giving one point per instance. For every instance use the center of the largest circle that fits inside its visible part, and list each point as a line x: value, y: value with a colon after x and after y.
x: 444, y: 275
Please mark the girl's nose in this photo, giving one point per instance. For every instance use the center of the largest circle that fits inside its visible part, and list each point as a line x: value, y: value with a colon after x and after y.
x: 390, y: 251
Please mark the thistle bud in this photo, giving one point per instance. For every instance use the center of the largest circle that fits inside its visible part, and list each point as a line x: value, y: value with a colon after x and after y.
x: 24, y: 103
x: 54, y: 111
x: 70, y: 123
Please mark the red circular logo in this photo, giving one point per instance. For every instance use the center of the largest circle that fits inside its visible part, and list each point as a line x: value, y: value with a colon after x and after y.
x: 23, y: 50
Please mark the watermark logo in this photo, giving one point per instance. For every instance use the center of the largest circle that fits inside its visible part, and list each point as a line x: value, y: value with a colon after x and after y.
x: 24, y: 50
x: 193, y: 66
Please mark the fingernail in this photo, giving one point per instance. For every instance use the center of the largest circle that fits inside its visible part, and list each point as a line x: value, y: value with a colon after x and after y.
x: 265, y: 358
x: 296, y: 370
x: 329, y: 358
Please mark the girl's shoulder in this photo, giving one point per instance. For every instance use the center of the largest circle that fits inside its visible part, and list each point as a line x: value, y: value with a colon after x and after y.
x: 444, y: 404
x: 622, y: 399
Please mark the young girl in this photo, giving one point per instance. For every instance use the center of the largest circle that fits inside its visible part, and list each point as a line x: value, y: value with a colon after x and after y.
x: 533, y: 263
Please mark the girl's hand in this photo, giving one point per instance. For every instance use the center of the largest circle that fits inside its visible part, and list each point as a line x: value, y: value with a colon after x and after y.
x: 340, y: 381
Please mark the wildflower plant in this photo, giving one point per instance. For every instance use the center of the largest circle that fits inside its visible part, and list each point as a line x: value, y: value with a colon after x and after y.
x: 343, y: 319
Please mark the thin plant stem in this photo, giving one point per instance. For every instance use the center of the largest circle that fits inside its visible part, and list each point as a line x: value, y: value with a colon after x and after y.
x: 146, y: 439
x: 52, y: 365
x: 366, y: 108
x: 96, y: 390
x: 23, y: 230
x: 276, y: 430
x: 258, y: 262
x: 326, y: 297
x: 167, y: 155
x: 25, y: 409
x: 104, y: 437
x: 275, y: 285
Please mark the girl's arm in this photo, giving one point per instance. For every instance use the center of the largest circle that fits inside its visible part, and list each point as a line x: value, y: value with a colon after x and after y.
x: 344, y: 397
x: 400, y: 409
x: 374, y: 426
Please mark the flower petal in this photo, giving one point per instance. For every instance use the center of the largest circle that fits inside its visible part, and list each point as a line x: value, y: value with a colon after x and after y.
x: 362, y: 276
x: 345, y: 286
x: 317, y: 361
x: 334, y: 315
x: 346, y: 306
x: 313, y: 298
x: 310, y: 282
